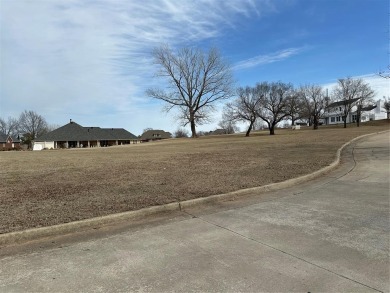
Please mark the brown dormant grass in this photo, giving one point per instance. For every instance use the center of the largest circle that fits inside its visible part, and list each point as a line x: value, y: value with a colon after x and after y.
x: 52, y: 187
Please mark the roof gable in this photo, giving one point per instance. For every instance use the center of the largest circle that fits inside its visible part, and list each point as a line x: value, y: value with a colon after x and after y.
x: 4, y: 138
x: 69, y: 132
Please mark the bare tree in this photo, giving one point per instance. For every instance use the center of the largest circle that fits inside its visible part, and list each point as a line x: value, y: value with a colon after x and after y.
x: 273, y: 98
x: 386, y: 106
x: 51, y: 127
x: 349, y: 91
x: 315, y: 102
x: 197, y: 80
x: 295, y: 106
x: 32, y: 125
x: 385, y: 73
x: 9, y: 127
x: 228, y: 125
x: 180, y: 132
x: 258, y: 125
x: 365, y: 103
x: 147, y: 129
x: 244, y: 108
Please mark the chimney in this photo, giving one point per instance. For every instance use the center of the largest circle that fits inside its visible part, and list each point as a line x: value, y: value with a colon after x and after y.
x: 71, y: 121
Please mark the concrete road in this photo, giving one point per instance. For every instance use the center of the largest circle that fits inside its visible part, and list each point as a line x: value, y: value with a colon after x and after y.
x: 327, y: 235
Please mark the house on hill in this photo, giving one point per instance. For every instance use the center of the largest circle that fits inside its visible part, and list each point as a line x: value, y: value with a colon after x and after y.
x: 8, y: 142
x: 219, y: 131
x: 152, y: 135
x: 73, y: 135
x: 334, y: 113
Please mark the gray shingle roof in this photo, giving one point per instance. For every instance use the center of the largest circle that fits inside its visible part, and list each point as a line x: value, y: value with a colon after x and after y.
x: 120, y: 133
x: 75, y: 132
x: 342, y: 103
x: 3, y: 138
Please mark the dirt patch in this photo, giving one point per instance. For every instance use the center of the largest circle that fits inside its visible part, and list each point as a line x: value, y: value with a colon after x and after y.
x: 52, y: 187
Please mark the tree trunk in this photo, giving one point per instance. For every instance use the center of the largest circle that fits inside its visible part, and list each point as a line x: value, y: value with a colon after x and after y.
x: 315, y: 123
x: 358, y: 114
x: 271, y: 129
x: 249, y: 128
x: 345, y: 118
x: 193, y: 129
x: 192, y: 124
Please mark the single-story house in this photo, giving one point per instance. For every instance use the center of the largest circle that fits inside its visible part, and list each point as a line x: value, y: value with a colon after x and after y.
x: 153, y: 134
x: 73, y: 135
x: 218, y: 131
x: 335, y: 112
x: 8, y: 142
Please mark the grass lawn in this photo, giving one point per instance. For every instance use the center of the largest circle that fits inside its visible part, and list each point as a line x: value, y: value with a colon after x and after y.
x: 51, y: 187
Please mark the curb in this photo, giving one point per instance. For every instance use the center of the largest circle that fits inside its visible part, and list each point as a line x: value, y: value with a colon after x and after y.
x: 274, y: 186
x: 56, y: 230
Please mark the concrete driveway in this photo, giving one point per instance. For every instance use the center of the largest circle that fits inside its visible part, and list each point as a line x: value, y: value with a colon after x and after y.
x: 329, y: 234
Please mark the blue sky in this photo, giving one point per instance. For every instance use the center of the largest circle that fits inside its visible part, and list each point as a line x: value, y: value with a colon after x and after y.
x: 91, y: 60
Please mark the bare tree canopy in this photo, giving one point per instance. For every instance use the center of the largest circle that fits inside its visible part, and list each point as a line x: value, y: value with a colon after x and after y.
x: 273, y: 98
x: 147, y: 129
x: 365, y: 103
x: 315, y: 102
x: 350, y: 91
x: 180, y: 132
x: 196, y: 81
x: 386, y: 106
x: 244, y: 108
x: 385, y: 73
x: 229, y: 126
x: 32, y: 125
x: 9, y: 127
x: 295, y: 107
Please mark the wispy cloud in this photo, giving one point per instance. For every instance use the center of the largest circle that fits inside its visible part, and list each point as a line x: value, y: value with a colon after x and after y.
x: 268, y: 58
x: 380, y: 85
x: 91, y: 57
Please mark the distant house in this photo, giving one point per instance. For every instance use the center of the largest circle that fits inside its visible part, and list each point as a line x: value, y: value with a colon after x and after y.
x: 73, y: 135
x: 152, y: 135
x: 219, y: 131
x: 8, y: 142
x: 334, y: 113
x: 216, y: 132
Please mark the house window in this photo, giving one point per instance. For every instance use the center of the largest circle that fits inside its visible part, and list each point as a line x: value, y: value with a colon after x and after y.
x: 338, y: 118
x: 354, y: 117
x: 340, y: 108
x: 332, y: 119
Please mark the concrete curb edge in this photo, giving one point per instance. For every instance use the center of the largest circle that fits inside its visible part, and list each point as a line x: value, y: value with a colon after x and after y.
x: 60, y: 229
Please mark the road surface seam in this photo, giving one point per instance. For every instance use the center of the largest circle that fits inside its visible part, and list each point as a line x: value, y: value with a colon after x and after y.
x: 282, y: 251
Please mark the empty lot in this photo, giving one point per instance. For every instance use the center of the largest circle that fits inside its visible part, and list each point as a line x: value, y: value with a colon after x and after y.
x: 52, y: 187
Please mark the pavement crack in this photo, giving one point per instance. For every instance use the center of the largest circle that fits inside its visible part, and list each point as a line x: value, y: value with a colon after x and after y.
x: 354, y: 164
x: 279, y: 250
